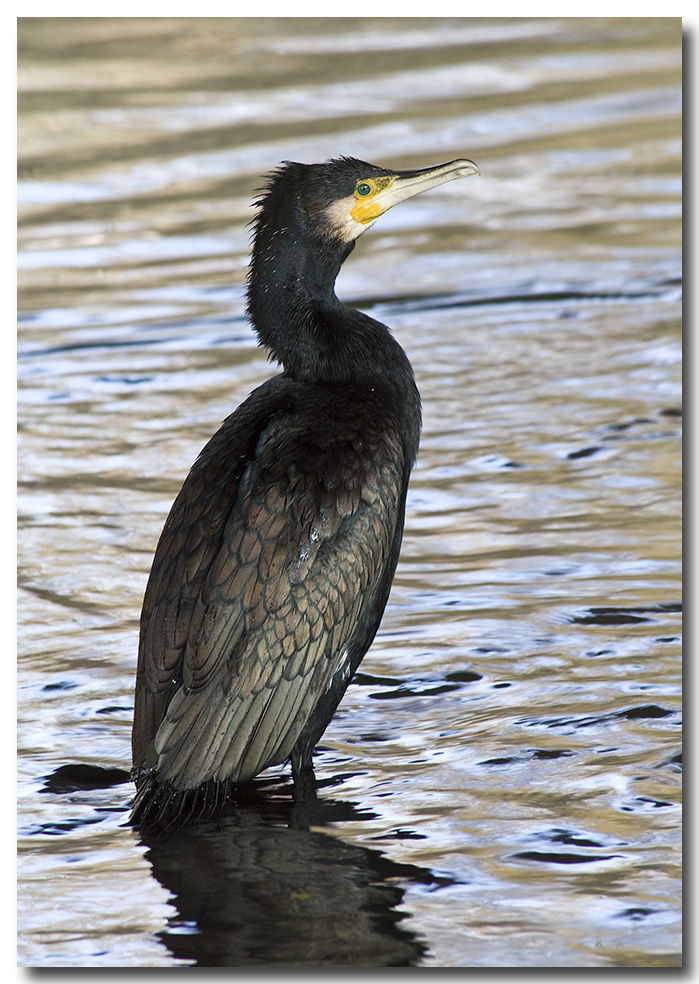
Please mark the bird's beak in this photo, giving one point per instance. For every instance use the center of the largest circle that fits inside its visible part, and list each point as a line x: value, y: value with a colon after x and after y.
x: 404, y: 184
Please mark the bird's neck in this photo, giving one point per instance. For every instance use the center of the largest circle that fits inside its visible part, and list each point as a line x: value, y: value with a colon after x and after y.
x: 298, y: 317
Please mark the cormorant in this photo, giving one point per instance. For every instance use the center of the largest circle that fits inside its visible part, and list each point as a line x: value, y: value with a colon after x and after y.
x: 275, y: 564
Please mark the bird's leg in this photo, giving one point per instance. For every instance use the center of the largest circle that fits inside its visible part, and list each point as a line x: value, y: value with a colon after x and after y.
x: 304, y: 778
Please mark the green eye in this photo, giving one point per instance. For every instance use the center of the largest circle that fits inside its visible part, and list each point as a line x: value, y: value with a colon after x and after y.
x: 363, y: 189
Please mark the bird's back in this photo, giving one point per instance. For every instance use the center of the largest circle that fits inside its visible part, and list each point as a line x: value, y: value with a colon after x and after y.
x: 268, y: 584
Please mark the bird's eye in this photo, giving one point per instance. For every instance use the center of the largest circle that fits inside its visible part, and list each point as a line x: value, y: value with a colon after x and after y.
x: 363, y: 189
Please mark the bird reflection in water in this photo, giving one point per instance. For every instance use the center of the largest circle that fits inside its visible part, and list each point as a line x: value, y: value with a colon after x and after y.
x: 255, y: 889
x: 275, y: 564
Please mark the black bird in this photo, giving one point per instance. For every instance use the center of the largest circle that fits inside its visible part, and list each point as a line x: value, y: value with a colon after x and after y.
x: 275, y: 564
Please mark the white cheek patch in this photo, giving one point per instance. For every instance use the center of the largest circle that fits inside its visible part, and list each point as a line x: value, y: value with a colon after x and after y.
x: 340, y: 223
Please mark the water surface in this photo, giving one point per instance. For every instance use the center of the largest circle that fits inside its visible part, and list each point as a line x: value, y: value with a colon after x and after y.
x: 501, y: 783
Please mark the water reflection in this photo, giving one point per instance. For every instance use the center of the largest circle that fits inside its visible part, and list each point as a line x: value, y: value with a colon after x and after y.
x: 263, y: 888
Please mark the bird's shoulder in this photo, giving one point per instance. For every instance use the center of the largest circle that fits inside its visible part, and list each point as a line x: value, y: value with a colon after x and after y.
x: 289, y: 450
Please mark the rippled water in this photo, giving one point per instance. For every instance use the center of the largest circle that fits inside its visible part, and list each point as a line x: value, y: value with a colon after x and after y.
x: 502, y: 779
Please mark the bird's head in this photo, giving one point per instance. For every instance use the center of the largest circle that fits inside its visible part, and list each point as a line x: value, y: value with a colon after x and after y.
x: 342, y: 198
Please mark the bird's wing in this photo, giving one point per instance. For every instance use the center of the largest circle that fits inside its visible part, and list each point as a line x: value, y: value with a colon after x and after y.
x: 251, y: 605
